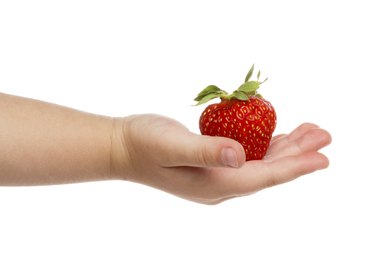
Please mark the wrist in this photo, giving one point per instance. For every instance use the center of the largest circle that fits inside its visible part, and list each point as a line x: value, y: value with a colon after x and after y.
x: 119, y: 154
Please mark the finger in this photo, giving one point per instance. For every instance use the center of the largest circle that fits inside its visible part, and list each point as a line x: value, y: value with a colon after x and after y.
x: 277, y: 138
x: 292, y: 167
x: 301, y: 130
x: 312, y: 140
x: 259, y: 175
x: 282, y: 141
x: 205, y: 151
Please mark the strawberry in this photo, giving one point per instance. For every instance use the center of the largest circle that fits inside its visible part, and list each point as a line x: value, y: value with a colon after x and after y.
x: 244, y: 116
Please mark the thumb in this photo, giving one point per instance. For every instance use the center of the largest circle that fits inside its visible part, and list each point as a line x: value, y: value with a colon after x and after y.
x: 206, y: 151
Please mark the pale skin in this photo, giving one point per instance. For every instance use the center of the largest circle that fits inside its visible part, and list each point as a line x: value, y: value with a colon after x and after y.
x: 43, y: 143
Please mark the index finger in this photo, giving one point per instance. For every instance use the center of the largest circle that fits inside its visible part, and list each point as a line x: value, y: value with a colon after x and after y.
x: 258, y: 175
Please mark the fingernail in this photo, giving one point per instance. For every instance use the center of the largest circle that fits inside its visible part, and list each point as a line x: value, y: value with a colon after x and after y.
x: 229, y: 157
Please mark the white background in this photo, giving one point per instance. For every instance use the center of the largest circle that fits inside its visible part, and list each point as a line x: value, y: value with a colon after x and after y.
x: 123, y: 57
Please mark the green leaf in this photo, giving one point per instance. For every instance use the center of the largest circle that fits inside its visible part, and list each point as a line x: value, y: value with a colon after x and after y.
x: 249, y: 74
x: 239, y: 95
x: 258, y: 75
x: 208, y: 97
x: 249, y: 87
x: 208, y: 90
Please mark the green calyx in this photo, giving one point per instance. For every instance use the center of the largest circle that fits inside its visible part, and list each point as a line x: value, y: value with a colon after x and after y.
x: 244, y: 92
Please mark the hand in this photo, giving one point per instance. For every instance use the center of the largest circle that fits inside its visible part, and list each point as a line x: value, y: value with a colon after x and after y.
x: 162, y: 153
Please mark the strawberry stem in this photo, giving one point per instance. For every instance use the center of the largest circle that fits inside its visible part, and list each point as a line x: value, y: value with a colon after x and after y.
x: 243, y: 93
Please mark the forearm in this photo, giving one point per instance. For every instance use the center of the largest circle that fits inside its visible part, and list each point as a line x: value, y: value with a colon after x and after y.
x: 43, y: 143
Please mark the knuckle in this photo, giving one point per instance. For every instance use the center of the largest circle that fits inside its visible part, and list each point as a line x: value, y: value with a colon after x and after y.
x: 202, y: 156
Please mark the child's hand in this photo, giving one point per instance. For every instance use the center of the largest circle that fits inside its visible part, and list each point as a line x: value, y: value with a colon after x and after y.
x: 162, y: 153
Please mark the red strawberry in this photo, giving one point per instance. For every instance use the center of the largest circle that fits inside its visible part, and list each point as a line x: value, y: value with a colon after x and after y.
x: 243, y: 116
